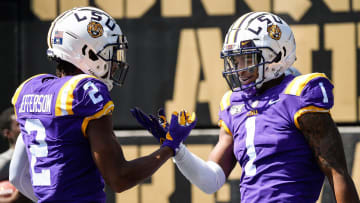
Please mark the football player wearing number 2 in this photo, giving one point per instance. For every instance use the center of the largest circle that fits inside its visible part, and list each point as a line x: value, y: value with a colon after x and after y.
x: 277, y: 126
x: 66, y: 120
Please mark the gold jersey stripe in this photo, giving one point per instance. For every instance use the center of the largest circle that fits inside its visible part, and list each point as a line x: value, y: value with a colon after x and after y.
x: 225, y: 101
x: 308, y: 109
x: 296, y: 86
x: 18, y: 90
x: 65, y: 97
x: 108, y: 108
x: 223, y: 124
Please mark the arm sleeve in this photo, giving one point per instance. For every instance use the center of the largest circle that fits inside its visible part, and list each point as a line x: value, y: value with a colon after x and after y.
x: 19, y: 174
x: 207, y: 176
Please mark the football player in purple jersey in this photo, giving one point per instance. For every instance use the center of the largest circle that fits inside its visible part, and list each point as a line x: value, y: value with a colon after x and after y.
x: 67, y: 141
x: 276, y: 125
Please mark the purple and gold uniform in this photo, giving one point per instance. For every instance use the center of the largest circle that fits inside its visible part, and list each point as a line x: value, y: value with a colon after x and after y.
x: 53, y: 114
x: 277, y: 163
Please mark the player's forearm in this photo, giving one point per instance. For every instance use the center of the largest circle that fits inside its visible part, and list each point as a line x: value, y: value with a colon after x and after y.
x: 133, y: 172
x: 344, y: 189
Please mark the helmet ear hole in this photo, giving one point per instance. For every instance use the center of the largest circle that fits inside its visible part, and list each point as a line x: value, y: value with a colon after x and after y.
x: 278, y: 57
x: 284, y: 51
x: 84, y: 49
x: 93, y: 56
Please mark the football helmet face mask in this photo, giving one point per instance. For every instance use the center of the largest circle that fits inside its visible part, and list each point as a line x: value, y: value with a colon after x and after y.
x: 90, y: 39
x: 266, y: 43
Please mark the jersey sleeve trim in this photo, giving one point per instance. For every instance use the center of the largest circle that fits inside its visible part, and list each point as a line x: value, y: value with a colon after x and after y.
x: 225, y: 101
x: 297, y: 85
x: 308, y: 109
x: 223, y: 124
x: 108, y: 108
x: 65, y: 97
x: 18, y: 90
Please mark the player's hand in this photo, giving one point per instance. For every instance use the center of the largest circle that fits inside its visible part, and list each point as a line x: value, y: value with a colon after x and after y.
x: 180, y: 126
x: 157, y: 126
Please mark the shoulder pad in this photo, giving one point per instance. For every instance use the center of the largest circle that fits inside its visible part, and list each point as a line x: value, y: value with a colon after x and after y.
x: 65, y: 98
x: 18, y: 90
x: 225, y: 101
x: 296, y: 86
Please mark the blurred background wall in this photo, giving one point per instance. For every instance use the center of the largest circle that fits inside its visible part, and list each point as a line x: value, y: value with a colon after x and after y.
x: 174, y: 53
x: 174, y: 49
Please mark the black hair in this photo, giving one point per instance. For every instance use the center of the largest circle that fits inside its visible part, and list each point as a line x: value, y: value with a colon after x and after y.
x: 66, y: 68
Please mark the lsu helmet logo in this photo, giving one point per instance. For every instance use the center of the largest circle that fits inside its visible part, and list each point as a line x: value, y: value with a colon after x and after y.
x: 95, y: 29
x: 274, y: 32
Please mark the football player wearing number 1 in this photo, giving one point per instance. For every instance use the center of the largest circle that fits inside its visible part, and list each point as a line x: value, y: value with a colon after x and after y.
x: 277, y: 126
x: 66, y: 120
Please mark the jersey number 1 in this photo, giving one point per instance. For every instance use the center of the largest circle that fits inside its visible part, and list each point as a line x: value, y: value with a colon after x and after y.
x: 38, y: 150
x: 250, y: 168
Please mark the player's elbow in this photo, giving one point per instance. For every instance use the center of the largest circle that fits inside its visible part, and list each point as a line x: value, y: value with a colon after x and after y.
x: 209, y: 192
x: 121, y: 181
x: 206, y: 186
x: 119, y: 186
x: 207, y: 176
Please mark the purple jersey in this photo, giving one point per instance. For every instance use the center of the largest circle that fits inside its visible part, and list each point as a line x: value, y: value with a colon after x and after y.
x: 277, y: 163
x: 53, y: 114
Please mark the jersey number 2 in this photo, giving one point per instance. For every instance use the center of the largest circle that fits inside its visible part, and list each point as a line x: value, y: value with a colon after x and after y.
x: 92, y: 92
x: 38, y: 150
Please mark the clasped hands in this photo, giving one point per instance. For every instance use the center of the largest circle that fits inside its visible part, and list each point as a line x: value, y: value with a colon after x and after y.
x: 170, y: 135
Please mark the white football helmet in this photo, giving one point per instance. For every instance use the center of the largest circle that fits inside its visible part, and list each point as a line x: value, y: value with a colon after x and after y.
x: 267, y: 43
x: 90, y: 39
